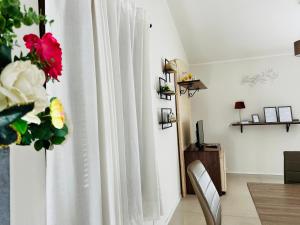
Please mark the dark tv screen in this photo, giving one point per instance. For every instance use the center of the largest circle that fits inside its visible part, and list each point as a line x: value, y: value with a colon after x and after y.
x: 200, y: 133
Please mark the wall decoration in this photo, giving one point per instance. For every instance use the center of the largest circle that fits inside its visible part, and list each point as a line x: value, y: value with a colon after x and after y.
x: 264, y: 77
x: 167, y: 118
x: 270, y: 114
x: 255, y: 118
x: 285, y: 114
x: 185, y: 76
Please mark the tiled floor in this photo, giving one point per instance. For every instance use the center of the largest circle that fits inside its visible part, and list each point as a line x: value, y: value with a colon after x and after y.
x: 237, y: 205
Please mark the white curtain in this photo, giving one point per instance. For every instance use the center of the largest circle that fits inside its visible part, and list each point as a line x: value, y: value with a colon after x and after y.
x: 106, y: 172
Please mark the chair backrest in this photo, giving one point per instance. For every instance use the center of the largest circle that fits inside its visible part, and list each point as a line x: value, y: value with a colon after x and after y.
x: 291, y: 167
x: 206, y: 192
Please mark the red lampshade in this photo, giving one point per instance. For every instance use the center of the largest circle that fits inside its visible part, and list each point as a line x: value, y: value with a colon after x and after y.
x: 239, y: 105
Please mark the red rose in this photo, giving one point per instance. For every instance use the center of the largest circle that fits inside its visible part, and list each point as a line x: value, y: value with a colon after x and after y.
x: 49, y: 52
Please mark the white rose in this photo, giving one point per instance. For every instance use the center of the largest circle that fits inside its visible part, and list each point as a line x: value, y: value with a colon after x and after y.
x: 22, y: 82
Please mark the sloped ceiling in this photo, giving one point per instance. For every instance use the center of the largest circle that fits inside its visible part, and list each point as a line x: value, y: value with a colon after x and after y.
x: 217, y: 30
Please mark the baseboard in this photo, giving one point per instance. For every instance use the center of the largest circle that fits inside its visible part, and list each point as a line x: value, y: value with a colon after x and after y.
x: 254, y: 173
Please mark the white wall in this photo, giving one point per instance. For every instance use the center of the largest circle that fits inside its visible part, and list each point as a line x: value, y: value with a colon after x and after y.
x: 27, y: 169
x: 164, y: 43
x: 259, y: 149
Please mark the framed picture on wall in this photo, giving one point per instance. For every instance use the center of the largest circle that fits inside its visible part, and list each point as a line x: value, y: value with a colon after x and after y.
x: 255, y: 118
x: 270, y: 114
x: 285, y: 114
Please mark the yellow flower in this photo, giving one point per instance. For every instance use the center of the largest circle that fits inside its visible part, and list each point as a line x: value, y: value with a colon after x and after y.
x: 57, y: 113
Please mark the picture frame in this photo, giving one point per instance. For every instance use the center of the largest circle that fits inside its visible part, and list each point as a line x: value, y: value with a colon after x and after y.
x: 285, y: 114
x: 165, y: 118
x: 255, y: 118
x: 271, y: 114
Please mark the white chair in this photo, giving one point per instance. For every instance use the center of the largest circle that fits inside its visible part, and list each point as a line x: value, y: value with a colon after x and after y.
x: 206, y: 193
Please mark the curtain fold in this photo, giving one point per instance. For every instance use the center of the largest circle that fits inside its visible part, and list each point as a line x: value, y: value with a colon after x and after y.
x: 106, y: 172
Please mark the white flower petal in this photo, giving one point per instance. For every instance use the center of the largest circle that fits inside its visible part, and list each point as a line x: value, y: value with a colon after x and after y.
x: 31, y: 118
x: 22, y: 82
x: 14, y: 96
x: 3, y: 102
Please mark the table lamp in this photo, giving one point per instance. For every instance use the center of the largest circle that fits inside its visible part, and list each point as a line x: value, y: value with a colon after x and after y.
x: 240, y: 105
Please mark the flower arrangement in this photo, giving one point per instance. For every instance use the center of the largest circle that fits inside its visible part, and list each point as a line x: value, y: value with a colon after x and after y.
x: 26, y: 114
x: 186, y: 77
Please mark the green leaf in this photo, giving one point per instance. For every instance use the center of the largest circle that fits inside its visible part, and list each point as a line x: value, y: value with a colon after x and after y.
x: 11, y: 114
x: 46, y: 144
x: 61, y: 132
x: 2, y: 23
x: 26, y: 138
x: 8, y: 135
x: 42, y: 131
x: 17, y: 23
x: 20, y: 125
x: 5, y: 56
x: 28, y: 21
x: 38, y: 145
x: 57, y: 140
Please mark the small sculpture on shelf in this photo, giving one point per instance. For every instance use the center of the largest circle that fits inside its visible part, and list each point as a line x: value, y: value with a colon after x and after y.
x: 170, y: 66
x: 186, y: 77
x: 167, y: 118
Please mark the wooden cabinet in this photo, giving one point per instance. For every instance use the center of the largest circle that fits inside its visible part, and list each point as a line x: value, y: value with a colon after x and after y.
x: 214, y: 161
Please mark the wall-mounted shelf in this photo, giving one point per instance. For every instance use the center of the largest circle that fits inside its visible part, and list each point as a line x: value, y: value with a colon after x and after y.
x: 287, y: 124
x: 167, y: 69
x: 166, y: 121
x: 166, y: 95
x: 191, y: 87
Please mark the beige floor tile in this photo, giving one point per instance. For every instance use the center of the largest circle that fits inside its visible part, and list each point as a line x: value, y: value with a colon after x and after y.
x: 239, y: 220
x: 187, y: 218
x: 237, y: 205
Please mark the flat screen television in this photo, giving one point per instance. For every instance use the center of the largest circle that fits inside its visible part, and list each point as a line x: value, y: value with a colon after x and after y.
x: 200, y: 133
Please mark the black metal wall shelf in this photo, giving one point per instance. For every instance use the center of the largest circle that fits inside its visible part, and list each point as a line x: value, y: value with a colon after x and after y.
x: 166, y: 122
x: 191, y: 87
x: 166, y: 95
x: 287, y: 124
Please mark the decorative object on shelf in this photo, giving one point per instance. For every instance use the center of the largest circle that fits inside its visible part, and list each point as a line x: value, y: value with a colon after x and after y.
x: 270, y: 114
x: 245, y: 122
x: 167, y: 118
x: 285, y: 114
x: 297, y: 48
x: 240, y: 105
x: 170, y: 66
x: 255, y: 118
x: 266, y: 76
x: 172, y: 117
x: 166, y: 90
x: 191, y: 87
x: 186, y: 77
